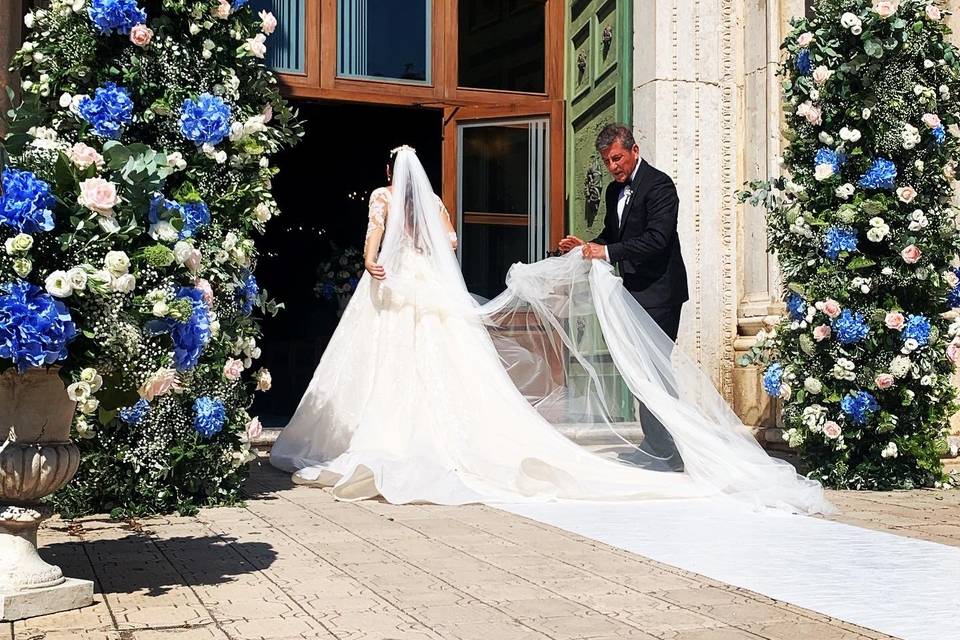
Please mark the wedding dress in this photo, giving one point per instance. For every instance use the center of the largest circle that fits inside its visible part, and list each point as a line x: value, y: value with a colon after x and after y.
x: 425, y: 395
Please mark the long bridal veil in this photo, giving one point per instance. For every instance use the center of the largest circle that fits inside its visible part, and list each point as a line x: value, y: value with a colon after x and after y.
x: 574, y: 343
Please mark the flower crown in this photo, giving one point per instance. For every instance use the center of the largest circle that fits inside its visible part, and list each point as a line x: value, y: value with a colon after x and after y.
x: 402, y: 147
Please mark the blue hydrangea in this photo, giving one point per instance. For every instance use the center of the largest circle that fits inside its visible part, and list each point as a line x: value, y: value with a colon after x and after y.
x: 35, y: 328
x: 195, y: 215
x: 25, y: 202
x: 191, y: 337
x: 839, y: 239
x: 849, y: 328
x: 773, y: 379
x: 135, y: 413
x: 918, y: 328
x: 205, y: 120
x: 939, y: 134
x: 116, y: 15
x: 797, y: 306
x: 830, y: 157
x: 953, y: 298
x: 236, y: 5
x: 209, y: 416
x: 880, y: 175
x: 247, y: 293
x: 858, y: 405
x: 803, y: 63
x: 328, y: 292
x: 163, y: 209
x: 109, y: 111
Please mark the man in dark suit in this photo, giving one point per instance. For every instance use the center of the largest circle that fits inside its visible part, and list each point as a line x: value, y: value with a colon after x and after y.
x: 640, y: 237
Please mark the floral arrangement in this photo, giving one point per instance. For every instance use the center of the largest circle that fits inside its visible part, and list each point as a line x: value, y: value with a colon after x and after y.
x: 339, y: 276
x: 135, y: 177
x: 867, y: 238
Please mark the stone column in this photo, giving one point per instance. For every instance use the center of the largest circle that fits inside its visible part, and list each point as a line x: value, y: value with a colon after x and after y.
x: 11, y: 32
x: 687, y: 112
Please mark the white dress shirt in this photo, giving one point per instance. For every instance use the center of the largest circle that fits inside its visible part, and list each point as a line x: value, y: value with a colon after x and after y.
x: 622, y: 199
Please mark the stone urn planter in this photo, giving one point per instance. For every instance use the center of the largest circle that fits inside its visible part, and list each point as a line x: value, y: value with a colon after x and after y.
x: 36, y: 459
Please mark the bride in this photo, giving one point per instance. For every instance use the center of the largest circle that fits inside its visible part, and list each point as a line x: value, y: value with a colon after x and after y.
x: 425, y: 395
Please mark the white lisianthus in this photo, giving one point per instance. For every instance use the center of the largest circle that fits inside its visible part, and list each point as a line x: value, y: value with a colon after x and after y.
x: 58, y: 284
x: 79, y: 391
x: 91, y: 377
x: 84, y: 430
x: 163, y: 230
x: 910, y: 136
x: 814, y: 94
x: 264, y: 380
x: 125, y: 283
x: 813, y: 417
x: 28, y: 20
x: 826, y: 138
x: 890, y: 451
x: 909, y: 346
x: 117, y: 262
x: 879, y: 229
x: 77, y: 277
x: 89, y: 406
x: 236, y: 131
x: 175, y: 161
x: 65, y: 100
x: 160, y: 309
x: 220, y: 156
x: 187, y: 255
x: 848, y: 19
x: 20, y: 243
x: 844, y: 191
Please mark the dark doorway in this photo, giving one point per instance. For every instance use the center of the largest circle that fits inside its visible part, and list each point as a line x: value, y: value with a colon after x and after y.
x: 322, y: 189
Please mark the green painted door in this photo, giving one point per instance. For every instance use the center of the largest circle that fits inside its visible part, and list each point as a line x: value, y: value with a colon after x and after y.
x: 599, y: 68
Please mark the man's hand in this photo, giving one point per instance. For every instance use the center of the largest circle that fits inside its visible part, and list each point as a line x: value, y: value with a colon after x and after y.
x: 570, y: 243
x: 592, y: 251
x: 376, y: 271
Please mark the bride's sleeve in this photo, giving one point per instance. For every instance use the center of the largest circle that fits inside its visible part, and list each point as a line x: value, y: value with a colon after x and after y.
x: 375, y: 225
x: 451, y: 232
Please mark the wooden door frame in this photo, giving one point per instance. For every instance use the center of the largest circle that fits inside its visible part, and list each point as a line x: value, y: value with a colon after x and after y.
x: 551, y: 109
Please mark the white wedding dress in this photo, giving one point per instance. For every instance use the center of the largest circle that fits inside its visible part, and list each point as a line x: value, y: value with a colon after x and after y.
x: 424, y: 395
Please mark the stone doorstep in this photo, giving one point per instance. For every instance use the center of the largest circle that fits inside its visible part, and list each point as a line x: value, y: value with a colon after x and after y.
x: 70, y: 594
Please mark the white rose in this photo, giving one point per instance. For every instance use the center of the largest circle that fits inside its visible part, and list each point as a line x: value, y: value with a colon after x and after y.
x: 220, y: 157
x: 823, y: 171
x: 262, y: 212
x: 77, y: 278
x: 812, y: 385
x: 20, y: 243
x: 28, y: 20
x: 236, y: 131
x: 845, y: 191
x: 194, y: 29
x: 125, y: 283
x: 117, y: 262
x: 58, y: 284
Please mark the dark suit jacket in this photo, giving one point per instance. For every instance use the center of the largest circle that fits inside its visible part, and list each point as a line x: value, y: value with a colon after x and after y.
x: 644, y: 244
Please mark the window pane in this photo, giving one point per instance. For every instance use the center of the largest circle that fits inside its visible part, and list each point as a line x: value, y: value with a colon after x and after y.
x: 285, y: 45
x: 387, y: 39
x: 502, y: 45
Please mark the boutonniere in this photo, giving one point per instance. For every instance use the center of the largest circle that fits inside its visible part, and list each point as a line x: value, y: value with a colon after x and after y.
x: 628, y: 193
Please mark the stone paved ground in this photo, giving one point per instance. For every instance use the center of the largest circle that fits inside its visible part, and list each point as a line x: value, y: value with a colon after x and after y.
x: 295, y: 564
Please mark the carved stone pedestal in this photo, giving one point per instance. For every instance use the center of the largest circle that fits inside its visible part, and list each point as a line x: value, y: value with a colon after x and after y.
x: 36, y: 459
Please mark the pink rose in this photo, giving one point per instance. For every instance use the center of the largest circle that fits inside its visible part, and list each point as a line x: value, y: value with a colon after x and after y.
x: 932, y: 120
x: 831, y: 429
x: 805, y: 39
x: 84, y: 156
x: 885, y: 8
x: 911, y: 254
x: 204, y: 286
x: 268, y: 23
x: 951, y: 278
x: 256, y: 45
x: 906, y: 194
x: 254, y: 428
x: 98, y: 195
x: 895, y: 320
x: 813, y: 116
x: 222, y: 10
x: 159, y: 383
x: 933, y: 12
x: 141, y: 35
x: 821, y: 332
x: 953, y: 350
x: 821, y: 74
x: 267, y: 113
x: 831, y: 308
x: 232, y: 369
x: 884, y: 381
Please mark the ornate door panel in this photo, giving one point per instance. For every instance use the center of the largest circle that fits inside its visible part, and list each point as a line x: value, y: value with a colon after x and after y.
x: 599, y: 68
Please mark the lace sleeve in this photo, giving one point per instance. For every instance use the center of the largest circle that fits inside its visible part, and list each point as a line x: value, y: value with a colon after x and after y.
x: 449, y: 223
x: 378, y: 212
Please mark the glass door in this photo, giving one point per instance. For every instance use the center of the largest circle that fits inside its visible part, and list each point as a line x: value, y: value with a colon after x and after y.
x: 503, y: 198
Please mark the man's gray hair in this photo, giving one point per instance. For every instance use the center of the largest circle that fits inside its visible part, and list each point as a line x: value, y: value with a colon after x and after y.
x: 614, y: 132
